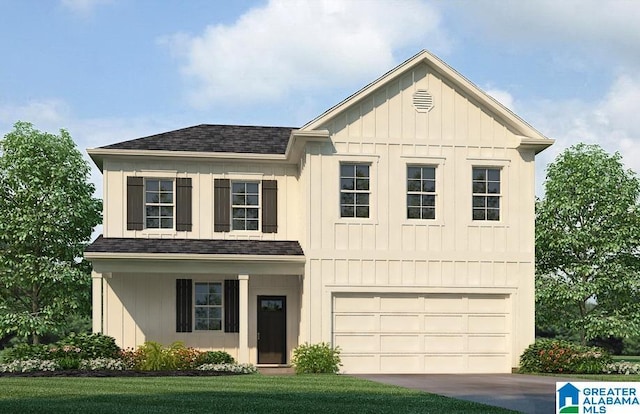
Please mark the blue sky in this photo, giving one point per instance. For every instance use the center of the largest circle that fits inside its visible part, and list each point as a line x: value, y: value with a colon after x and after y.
x: 112, y: 70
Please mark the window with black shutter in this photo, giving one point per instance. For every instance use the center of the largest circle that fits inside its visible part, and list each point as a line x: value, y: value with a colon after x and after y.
x: 135, y: 203
x: 221, y: 205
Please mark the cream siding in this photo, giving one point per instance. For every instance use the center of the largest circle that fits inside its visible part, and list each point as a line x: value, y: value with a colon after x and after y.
x: 389, y: 253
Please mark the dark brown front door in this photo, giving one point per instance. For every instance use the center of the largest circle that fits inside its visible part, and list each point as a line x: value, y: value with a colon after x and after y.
x: 272, y: 330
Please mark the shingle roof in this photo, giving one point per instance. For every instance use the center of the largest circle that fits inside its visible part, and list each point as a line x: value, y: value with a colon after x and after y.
x: 195, y: 246
x: 214, y: 138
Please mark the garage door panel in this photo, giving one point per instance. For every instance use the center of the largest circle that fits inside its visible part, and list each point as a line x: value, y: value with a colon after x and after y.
x: 488, y: 363
x: 400, y: 363
x: 356, y: 343
x: 399, y: 323
x: 488, y: 343
x: 400, y: 343
x: 453, y: 343
x: 445, y: 303
x: 360, y: 363
x: 350, y: 303
x: 401, y: 304
x: 487, y: 324
x: 487, y: 304
x: 356, y: 323
x: 444, y: 364
x: 444, y: 323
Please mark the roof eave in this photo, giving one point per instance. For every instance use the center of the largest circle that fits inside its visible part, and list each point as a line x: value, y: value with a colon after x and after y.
x: 256, y: 258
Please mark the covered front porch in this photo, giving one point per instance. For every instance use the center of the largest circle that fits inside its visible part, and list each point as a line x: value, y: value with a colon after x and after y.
x: 247, y: 305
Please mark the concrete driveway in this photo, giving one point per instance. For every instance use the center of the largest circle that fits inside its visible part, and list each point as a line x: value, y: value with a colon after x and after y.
x: 525, y: 393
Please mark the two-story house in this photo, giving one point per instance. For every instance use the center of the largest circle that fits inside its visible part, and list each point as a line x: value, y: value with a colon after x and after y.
x: 398, y: 225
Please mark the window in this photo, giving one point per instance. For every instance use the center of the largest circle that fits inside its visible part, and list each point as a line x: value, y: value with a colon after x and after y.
x: 158, y: 204
x: 245, y: 205
x: 354, y: 190
x: 486, y: 194
x: 208, y: 306
x: 421, y: 192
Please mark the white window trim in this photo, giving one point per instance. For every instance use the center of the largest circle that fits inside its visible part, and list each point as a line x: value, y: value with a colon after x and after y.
x: 155, y: 230
x: 372, y: 161
x: 503, y: 165
x: 439, y: 164
x: 240, y: 180
x: 193, y: 307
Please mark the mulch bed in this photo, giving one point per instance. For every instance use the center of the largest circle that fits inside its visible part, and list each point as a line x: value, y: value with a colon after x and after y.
x: 114, y: 373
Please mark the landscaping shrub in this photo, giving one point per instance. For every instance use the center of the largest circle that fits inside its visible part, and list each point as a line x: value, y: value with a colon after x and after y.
x: 623, y: 368
x: 152, y: 356
x: 102, y: 364
x: 22, y: 352
x: 229, y: 367
x: 557, y: 356
x: 29, y: 365
x: 316, y: 359
x: 91, y: 345
x: 214, y: 357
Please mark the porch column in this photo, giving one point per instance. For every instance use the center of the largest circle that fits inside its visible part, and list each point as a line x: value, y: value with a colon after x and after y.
x: 243, y: 335
x: 96, y: 301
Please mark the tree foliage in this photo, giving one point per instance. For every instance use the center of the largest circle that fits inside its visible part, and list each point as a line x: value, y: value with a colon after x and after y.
x: 587, y: 246
x: 47, y: 213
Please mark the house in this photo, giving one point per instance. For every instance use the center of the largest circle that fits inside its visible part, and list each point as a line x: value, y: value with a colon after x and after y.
x: 397, y: 225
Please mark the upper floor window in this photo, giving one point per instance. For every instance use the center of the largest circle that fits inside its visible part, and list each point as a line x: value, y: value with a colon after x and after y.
x: 486, y: 193
x: 421, y: 192
x: 159, y: 204
x: 354, y: 190
x: 245, y: 205
x: 208, y: 306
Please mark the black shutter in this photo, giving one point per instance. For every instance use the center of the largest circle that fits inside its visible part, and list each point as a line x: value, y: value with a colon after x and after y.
x: 183, y: 305
x: 232, y: 305
x: 269, y: 206
x: 221, y: 205
x: 183, y: 204
x: 135, y: 203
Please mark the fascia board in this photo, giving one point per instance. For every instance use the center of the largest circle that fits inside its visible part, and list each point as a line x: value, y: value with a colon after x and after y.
x: 237, y: 258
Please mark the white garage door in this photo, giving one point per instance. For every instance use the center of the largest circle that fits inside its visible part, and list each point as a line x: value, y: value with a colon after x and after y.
x: 423, y: 333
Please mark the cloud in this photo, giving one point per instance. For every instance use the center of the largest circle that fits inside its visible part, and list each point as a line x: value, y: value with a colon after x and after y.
x: 502, y: 96
x: 288, y: 46
x: 83, y: 8
x: 577, y: 25
x: 609, y: 122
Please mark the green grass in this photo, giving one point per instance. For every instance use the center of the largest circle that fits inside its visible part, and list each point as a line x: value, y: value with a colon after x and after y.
x: 324, y: 394
x: 628, y: 358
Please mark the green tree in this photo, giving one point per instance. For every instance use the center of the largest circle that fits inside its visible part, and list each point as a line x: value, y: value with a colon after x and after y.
x: 47, y: 213
x: 587, y: 246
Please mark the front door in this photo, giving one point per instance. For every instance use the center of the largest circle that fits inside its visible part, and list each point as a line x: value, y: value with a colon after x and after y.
x: 272, y: 330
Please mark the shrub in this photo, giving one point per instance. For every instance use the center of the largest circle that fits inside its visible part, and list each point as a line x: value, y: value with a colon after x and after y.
x: 622, y: 368
x: 29, y: 365
x: 316, y: 359
x: 234, y: 368
x: 132, y: 358
x: 152, y: 356
x: 92, y: 345
x: 23, y: 352
x: 67, y: 356
x: 214, y: 357
x: 557, y: 356
x: 102, y: 364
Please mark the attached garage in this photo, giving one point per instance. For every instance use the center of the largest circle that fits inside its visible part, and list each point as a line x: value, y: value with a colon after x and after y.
x: 423, y: 333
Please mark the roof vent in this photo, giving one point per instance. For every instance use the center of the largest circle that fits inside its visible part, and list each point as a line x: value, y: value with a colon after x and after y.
x: 422, y: 100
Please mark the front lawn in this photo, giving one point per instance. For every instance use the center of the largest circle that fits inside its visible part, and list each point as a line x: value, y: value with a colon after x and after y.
x: 229, y: 394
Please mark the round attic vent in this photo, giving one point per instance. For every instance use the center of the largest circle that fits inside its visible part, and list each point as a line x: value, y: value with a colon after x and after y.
x: 422, y: 100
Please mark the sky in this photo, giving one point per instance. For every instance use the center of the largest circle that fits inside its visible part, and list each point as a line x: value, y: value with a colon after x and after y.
x: 113, y: 70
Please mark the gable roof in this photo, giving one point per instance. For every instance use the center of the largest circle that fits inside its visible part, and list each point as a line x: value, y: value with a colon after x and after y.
x: 137, y: 246
x: 529, y: 135
x: 214, y: 138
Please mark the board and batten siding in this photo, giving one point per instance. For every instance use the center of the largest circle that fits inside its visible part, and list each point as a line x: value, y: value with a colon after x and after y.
x: 202, y: 175
x: 388, y: 252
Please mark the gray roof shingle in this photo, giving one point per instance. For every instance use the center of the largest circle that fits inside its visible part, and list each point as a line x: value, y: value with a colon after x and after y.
x: 195, y: 246
x: 214, y: 138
